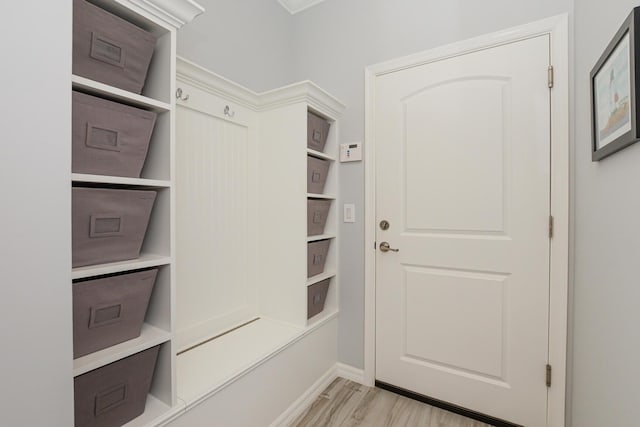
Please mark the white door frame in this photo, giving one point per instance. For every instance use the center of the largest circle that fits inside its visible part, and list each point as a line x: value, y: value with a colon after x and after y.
x: 557, y: 28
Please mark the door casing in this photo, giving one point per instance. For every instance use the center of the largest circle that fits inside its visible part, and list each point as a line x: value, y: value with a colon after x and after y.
x: 557, y: 28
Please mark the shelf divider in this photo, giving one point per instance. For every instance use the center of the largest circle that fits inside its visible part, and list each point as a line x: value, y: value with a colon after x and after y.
x: 320, y: 155
x: 119, y: 180
x: 321, y: 196
x: 116, y: 94
x: 149, y: 337
x: 144, y: 261
x: 320, y: 237
x: 320, y: 277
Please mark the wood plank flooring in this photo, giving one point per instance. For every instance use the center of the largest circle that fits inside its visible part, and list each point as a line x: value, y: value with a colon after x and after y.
x: 348, y: 404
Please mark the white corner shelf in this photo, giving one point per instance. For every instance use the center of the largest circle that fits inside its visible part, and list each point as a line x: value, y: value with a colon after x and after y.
x: 321, y: 196
x: 320, y: 155
x: 320, y: 277
x: 119, y: 180
x: 149, y: 337
x: 320, y: 237
x: 144, y: 261
x: 116, y: 94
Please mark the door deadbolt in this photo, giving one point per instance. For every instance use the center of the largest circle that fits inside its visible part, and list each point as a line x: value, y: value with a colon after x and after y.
x: 384, y: 224
x: 384, y: 247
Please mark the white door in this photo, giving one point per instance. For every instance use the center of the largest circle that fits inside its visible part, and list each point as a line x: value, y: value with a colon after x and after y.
x: 462, y: 177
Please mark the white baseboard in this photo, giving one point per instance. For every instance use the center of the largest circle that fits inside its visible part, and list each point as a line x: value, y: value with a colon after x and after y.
x: 306, y: 399
x: 350, y: 373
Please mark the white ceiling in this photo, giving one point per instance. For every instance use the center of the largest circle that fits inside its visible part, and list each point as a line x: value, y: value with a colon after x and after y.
x: 295, y: 6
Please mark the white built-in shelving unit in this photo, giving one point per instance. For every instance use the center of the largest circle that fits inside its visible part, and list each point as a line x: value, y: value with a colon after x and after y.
x: 162, y: 18
x: 283, y: 225
x: 330, y: 192
x: 255, y: 146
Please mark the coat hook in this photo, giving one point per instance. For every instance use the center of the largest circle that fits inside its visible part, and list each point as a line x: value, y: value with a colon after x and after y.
x: 179, y: 95
x: 228, y: 112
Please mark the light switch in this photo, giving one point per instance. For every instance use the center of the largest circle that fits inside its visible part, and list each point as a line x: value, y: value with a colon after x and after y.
x: 351, y: 152
x: 349, y: 212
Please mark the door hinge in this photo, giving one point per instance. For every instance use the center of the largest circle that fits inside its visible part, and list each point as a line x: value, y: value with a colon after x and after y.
x: 548, y: 375
x: 550, y: 76
x: 550, y: 226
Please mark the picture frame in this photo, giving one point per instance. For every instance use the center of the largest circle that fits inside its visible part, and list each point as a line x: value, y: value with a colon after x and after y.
x: 614, y: 92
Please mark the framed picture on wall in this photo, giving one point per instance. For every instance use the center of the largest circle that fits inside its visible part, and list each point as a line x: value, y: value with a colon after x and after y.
x: 614, y: 92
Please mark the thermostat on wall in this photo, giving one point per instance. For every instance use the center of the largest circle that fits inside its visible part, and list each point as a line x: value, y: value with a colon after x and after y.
x: 351, y: 152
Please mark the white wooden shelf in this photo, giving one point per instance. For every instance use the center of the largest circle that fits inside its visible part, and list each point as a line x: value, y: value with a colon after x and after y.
x: 153, y: 410
x: 117, y: 94
x: 320, y: 155
x: 321, y: 196
x: 144, y: 261
x: 119, y: 180
x: 320, y: 277
x: 320, y: 237
x: 149, y: 337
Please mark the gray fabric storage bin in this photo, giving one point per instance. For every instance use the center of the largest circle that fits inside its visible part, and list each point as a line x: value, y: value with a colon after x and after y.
x: 108, y: 224
x: 317, y: 170
x: 316, y: 297
x: 317, y: 256
x: 317, y: 131
x: 110, y: 310
x: 116, y: 393
x: 109, y: 138
x: 317, y: 214
x: 108, y: 49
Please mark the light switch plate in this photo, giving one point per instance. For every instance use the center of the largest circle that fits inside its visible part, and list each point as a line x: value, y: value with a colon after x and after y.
x: 351, y: 152
x: 349, y: 212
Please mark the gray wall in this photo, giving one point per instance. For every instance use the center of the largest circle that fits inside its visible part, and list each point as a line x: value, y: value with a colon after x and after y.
x: 334, y: 42
x: 247, y: 41
x: 606, y: 332
x: 35, y: 254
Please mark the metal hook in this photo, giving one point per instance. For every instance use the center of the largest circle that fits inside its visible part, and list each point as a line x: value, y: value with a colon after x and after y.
x: 179, y: 95
x: 228, y: 112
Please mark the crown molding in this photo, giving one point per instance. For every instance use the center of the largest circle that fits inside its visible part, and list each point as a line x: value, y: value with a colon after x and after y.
x: 295, y: 6
x: 176, y: 13
x: 197, y: 76
x: 305, y: 91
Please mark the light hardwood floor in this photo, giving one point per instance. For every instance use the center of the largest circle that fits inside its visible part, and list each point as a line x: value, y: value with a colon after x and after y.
x: 348, y: 404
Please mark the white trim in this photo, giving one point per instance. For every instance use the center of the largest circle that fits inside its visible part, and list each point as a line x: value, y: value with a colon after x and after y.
x: 557, y: 28
x: 339, y: 370
x: 369, y: 233
x: 295, y: 6
x: 177, y: 13
x: 306, y: 399
x: 560, y: 196
x: 350, y: 373
x: 200, y: 77
x: 305, y: 91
